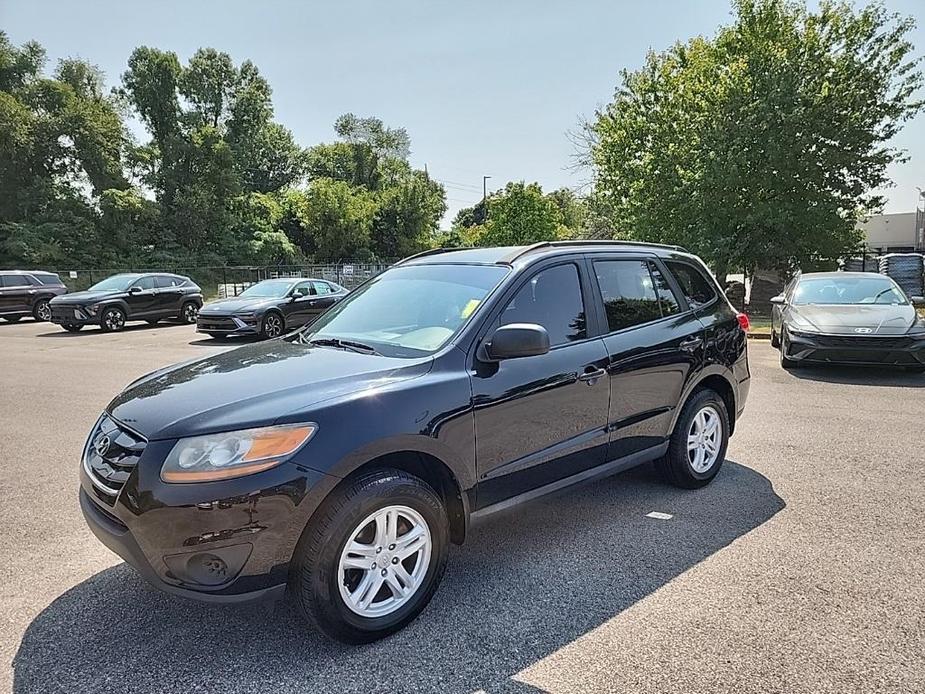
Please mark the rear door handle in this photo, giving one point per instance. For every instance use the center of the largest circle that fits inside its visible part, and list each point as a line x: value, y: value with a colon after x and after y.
x: 590, y: 377
x: 691, y: 344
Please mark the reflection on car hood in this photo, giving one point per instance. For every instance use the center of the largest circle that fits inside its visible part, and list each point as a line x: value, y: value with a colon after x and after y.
x: 253, y: 385
x: 225, y: 307
x: 880, y: 319
x: 86, y: 297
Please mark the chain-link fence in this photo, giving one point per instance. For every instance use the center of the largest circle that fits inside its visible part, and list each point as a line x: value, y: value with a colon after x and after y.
x: 232, y: 280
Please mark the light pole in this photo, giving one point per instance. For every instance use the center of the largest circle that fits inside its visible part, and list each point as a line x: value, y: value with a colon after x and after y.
x: 920, y: 220
x: 484, y: 188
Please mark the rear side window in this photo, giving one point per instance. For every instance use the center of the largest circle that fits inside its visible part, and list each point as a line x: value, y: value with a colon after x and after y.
x: 164, y: 281
x: 48, y: 278
x: 697, y: 288
x: 666, y: 297
x: 628, y: 292
x: 551, y: 298
x: 321, y: 287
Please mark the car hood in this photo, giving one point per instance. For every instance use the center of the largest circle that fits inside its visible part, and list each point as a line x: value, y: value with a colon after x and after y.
x: 227, y: 306
x: 87, y: 297
x: 879, y: 319
x: 254, y: 385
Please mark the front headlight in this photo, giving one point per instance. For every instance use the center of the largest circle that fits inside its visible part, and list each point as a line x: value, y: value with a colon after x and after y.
x: 233, y: 453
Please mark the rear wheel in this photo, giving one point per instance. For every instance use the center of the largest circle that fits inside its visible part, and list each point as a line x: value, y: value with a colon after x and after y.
x: 112, y: 319
x: 153, y: 321
x: 42, y: 311
x: 697, y: 446
x: 12, y: 319
x: 372, y: 557
x: 72, y: 327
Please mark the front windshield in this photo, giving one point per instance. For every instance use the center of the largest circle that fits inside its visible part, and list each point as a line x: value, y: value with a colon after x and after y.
x: 116, y: 283
x: 409, y: 311
x: 268, y: 289
x: 848, y: 290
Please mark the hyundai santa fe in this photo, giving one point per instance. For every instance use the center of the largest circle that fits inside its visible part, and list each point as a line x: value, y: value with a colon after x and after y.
x: 340, y: 461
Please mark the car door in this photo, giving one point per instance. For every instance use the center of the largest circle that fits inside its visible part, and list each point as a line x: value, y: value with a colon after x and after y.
x: 324, y: 298
x: 654, y: 345
x: 541, y: 418
x: 14, y: 293
x: 169, y: 295
x: 299, y: 309
x: 142, y: 298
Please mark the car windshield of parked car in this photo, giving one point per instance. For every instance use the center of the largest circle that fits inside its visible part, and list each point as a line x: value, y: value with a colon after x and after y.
x: 847, y: 290
x: 409, y: 311
x: 268, y: 289
x: 116, y: 283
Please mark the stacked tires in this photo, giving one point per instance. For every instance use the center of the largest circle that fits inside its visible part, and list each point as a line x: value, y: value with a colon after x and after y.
x: 907, y: 270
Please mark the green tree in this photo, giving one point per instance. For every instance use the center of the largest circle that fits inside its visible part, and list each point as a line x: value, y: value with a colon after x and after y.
x: 520, y: 214
x: 336, y: 219
x: 408, y: 216
x: 764, y: 144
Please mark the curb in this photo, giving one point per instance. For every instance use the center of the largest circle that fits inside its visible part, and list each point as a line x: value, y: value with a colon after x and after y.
x: 760, y: 336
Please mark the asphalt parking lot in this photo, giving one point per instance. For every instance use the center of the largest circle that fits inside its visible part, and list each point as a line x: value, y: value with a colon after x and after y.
x: 801, y: 569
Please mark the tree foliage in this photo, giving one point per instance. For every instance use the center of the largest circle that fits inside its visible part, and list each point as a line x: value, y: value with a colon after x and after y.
x: 216, y: 180
x: 762, y: 145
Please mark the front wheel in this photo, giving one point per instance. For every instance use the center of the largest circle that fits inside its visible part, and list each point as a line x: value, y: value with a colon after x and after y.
x: 12, y: 319
x: 372, y: 557
x: 42, y: 311
x: 189, y: 312
x: 272, y: 325
x: 775, y: 339
x: 72, y: 327
x: 112, y: 319
x: 697, y: 446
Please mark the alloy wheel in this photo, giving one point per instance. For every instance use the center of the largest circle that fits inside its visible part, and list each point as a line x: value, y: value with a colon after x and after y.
x: 114, y: 319
x: 385, y: 561
x: 273, y: 326
x: 43, y: 311
x: 704, y: 439
x: 190, y: 313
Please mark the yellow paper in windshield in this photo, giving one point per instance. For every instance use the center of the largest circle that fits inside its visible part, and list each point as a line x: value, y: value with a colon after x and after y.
x: 470, y: 307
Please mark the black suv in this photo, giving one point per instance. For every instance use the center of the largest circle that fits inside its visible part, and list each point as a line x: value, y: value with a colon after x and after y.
x: 342, y: 459
x: 269, y: 308
x: 150, y: 296
x: 27, y: 293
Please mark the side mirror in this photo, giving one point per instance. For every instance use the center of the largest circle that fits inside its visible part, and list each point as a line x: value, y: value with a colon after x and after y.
x: 135, y: 290
x: 918, y: 301
x: 779, y: 299
x: 517, y: 340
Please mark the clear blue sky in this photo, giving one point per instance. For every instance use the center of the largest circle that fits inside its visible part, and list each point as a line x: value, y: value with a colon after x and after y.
x: 482, y: 87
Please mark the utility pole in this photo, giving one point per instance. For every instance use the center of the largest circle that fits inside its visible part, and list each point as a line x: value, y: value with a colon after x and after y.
x: 484, y: 188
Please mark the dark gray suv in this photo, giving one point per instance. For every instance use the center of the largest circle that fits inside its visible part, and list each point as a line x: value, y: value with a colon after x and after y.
x: 27, y: 293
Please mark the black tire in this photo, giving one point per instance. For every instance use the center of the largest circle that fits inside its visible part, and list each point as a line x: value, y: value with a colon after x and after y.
x: 72, y: 328
x: 12, y: 319
x: 153, y: 321
x: 42, y: 311
x: 775, y: 339
x: 676, y: 466
x: 189, y: 312
x: 314, y: 580
x: 112, y: 319
x: 272, y: 325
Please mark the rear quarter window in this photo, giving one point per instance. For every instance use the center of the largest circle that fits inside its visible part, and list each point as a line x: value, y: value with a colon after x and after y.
x: 694, y: 285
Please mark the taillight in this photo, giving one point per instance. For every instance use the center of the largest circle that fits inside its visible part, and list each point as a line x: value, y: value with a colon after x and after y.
x: 743, y: 321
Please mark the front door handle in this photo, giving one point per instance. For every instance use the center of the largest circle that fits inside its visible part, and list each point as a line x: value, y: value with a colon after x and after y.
x: 691, y: 344
x: 590, y: 377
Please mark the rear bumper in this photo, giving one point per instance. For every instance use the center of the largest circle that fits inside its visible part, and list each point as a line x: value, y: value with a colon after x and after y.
x: 848, y: 349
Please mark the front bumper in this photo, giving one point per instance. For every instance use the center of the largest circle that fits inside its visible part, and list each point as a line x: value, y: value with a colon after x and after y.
x: 228, y: 541
x: 887, y: 350
x: 72, y: 315
x: 227, y: 326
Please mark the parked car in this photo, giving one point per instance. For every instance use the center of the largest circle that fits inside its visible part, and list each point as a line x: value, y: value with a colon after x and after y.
x: 148, y: 296
x: 342, y: 459
x: 270, y: 308
x: 847, y: 318
x: 27, y: 293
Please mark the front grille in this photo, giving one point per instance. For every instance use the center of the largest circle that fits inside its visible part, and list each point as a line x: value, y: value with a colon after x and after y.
x: 63, y: 312
x: 216, y: 323
x: 862, y: 342
x: 111, y: 455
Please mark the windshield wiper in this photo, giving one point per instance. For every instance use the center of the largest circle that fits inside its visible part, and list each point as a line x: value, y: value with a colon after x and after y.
x: 349, y: 345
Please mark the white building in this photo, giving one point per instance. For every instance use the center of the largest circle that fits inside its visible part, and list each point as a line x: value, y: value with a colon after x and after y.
x: 894, y: 233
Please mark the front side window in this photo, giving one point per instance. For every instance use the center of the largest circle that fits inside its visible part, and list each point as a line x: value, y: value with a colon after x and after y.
x: 146, y: 283
x: 552, y: 298
x: 409, y: 310
x: 268, y: 289
x: 629, y: 294
x: 302, y: 289
x: 697, y: 288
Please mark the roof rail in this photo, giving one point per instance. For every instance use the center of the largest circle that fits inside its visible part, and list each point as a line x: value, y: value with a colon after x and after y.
x: 432, y: 251
x: 586, y: 242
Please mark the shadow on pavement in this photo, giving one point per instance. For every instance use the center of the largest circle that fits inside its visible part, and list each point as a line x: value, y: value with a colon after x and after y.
x: 860, y: 376
x: 522, y: 587
x: 129, y: 327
